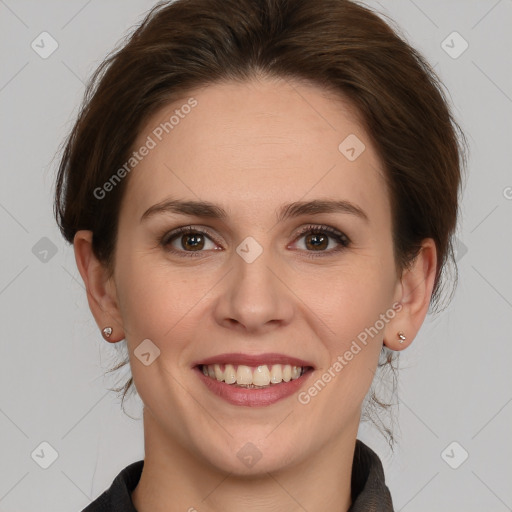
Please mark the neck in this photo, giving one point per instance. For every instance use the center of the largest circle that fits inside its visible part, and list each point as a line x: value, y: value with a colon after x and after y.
x: 174, y: 479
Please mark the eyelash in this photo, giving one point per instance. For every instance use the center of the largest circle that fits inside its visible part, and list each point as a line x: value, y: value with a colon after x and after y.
x: 340, y: 237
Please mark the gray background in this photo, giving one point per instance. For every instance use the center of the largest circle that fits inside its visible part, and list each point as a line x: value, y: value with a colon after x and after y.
x: 455, y: 380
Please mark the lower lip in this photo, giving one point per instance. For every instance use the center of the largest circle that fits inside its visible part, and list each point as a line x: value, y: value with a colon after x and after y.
x: 253, y: 397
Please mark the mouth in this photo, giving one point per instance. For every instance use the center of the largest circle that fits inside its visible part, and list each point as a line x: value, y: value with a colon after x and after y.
x: 253, y: 377
x: 248, y: 380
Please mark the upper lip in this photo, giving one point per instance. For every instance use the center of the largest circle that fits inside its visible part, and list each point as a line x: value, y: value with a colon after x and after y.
x: 253, y: 360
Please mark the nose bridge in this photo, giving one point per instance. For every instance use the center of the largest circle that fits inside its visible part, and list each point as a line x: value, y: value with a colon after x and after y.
x: 254, y: 295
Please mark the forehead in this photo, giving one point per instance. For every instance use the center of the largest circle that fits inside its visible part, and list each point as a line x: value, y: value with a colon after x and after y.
x: 261, y: 142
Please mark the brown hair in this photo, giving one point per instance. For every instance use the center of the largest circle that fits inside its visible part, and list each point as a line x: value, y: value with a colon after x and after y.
x: 336, y: 44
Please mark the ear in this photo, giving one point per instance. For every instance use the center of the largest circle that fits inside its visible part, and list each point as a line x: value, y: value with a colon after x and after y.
x: 413, y: 293
x: 101, y: 290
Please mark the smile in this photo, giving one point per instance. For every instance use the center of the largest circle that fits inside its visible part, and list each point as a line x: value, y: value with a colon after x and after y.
x: 252, y: 377
x: 249, y: 380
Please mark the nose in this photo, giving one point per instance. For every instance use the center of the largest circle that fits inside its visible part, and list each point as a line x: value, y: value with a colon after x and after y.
x: 255, y: 297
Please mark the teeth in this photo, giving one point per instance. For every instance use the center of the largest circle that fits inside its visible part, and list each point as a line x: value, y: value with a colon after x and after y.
x: 247, y: 376
x: 219, y: 374
x: 261, y: 376
x: 243, y: 375
x: 229, y: 374
x: 276, y: 374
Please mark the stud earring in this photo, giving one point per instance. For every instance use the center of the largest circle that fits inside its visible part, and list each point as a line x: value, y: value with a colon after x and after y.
x: 107, y: 332
x: 401, y: 336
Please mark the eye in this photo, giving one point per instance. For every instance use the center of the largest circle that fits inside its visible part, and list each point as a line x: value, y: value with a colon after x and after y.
x: 188, y: 240
x: 317, y: 240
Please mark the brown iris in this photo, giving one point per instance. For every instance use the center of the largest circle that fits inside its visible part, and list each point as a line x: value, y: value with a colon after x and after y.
x: 196, y: 244
x: 318, y: 241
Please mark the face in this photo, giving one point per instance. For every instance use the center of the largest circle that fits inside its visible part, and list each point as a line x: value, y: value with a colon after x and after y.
x: 260, y: 285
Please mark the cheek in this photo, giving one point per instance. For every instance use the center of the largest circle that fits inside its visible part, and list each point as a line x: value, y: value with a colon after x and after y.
x: 159, y: 300
x: 354, y: 309
x: 354, y: 313
x: 349, y: 297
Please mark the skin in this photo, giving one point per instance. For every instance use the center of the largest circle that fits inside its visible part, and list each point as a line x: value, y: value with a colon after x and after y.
x: 250, y: 148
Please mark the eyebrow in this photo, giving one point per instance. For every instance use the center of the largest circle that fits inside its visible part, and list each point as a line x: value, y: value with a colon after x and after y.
x: 210, y: 210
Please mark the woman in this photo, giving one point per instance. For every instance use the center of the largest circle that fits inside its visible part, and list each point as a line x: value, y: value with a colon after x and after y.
x: 261, y: 197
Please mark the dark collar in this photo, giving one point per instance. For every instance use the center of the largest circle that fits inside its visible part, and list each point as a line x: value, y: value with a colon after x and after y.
x: 369, y: 491
x: 118, y: 497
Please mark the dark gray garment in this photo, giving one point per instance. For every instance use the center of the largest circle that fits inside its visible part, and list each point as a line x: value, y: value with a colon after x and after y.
x: 369, y: 490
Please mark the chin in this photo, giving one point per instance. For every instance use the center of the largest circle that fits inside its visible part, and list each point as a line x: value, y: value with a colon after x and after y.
x: 253, y: 455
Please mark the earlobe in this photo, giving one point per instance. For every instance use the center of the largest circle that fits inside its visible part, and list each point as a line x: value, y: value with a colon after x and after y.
x: 101, y: 292
x: 415, y: 291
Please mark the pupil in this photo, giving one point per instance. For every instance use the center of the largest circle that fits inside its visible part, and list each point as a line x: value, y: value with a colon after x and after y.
x: 317, y: 243
x: 196, y: 242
